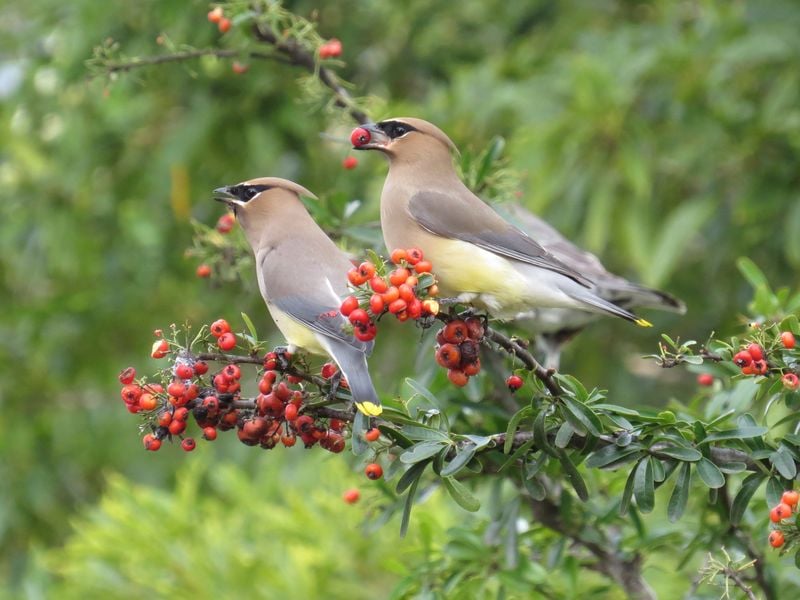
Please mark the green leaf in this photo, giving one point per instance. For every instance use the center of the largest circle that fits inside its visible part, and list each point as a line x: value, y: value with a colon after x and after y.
x: 710, y: 474
x: 752, y: 273
x: 583, y: 414
x: 643, y: 485
x: 774, y: 491
x: 564, y: 435
x: 250, y: 327
x: 610, y: 455
x: 420, y: 433
x: 462, y: 457
x: 422, y: 391
x: 784, y: 463
x: 513, y: 424
x: 396, y: 436
x: 407, y: 507
x: 627, y: 493
x: 535, y: 488
x: 461, y: 494
x: 735, y: 434
x: 522, y: 450
x: 358, y: 444
x: 421, y: 451
x: 540, y: 434
x: 573, y: 475
x: 681, y: 453
x: 532, y: 467
x: 743, y: 496
x: 680, y: 494
x: 414, y: 473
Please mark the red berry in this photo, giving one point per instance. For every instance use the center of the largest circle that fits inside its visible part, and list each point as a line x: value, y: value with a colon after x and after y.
x: 232, y: 372
x: 457, y: 377
x: 514, y: 382
x: 200, y: 367
x: 224, y: 25
x: 423, y: 266
x: 359, y: 317
x: 373, y: 434
x: 289, y: 440
x: 397, y: 306
x: 290, y: 414
x: 376, y: 304
x: 239, y: 68
x: 455, y: 332
x: 475, y: 329
x: 790, y: 381
x: 705, y: 379
x: 742, y: 359
x: 355, y: 277
x: 406, y: 292
x: 177, y: 426
x: 334, y: 442
x: 147, y: 402
x: 448, y: 356
x: 350, y: 162
x: 180, y: 414
x: 225, y: 223
x: 780, y: 512
x: 203, y: 271
x: 176, y: 388
x: 373, y: 471
x: 227, y: 341
x: 378, y: 284
x: 787, y: 339
x: 472, y: 368
x: 399, y: 276
x: 215, y: 15
x: 188, y: 444
x: 209, y: 433
x: 790, y: 497
x: 151, y: 442
x: 328, y: 370
x: 127, y: 376
x: 365, y: 334
x: 219, y: 327
x: 183, y: 371
x: 414, y: 308
x: 398, y: 256
x: 413, y: 255
x: 164, y: 419
x: 348, y: 305
x: 351, y: 496
x: 776, y: 539
x: 756, y: 351
x: 160, y: 349
x: 367, y: 270
x: 761, y: 367
x: 359, y: 137
x: 330, y: 49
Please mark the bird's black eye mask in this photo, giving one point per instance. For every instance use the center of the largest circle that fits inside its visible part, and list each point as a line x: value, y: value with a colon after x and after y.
x: 394, y: 129
x: 245, y: 192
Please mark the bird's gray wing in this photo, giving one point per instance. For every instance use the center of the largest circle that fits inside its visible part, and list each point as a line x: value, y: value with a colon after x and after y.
x: 473, y: 221
x: 321, y: 318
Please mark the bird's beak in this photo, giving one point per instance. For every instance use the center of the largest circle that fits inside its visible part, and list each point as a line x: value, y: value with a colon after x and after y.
x: 223, y: 195
x: 369, y: 137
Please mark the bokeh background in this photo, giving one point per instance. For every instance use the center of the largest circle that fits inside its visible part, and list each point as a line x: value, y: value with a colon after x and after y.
x: 664, y: 136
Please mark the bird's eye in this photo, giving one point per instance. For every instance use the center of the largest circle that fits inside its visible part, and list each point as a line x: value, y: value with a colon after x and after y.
x: 245, y: 193
x: 398, y: 130
x: 395, y: 129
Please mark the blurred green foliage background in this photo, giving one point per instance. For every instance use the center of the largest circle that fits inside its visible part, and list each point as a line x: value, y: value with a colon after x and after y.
x: 664, y: 136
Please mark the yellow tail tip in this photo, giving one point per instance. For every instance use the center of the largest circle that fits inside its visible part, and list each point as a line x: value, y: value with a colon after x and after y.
x: 369, y: 408
x: 643, y: 323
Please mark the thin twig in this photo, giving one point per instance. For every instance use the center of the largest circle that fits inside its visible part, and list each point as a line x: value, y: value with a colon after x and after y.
x: 515, y: 348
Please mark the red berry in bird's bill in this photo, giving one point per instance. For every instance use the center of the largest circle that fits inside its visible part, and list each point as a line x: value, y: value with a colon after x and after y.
x: 219, y: 327
x: 780, y: 512
x: 705, y: 379
x: 160, y: 349
x: 225, y: 223
x: 791, y: 381
x: 373, y: 471
x: 224, y: 25
x: 790, y: 497
x: 776, y: 539
x: 787, y: 339
x: 239, y: 68
x: 127, y: 376
x: 203, y: 271
x: 215, y: 15
x: 350, y: 162
x: 372, y: 435
x: 756, y: 351
x: 359, y: 137
x: 743, y: 359
x: 227, y: 341
x: 351, y: 496
x: 514, y: 382
x: 188, y: 444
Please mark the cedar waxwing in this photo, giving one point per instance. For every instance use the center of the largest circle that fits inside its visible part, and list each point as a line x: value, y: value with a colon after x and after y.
x: 302, y: 276
x: 556, y: 326
x: 477, y: 256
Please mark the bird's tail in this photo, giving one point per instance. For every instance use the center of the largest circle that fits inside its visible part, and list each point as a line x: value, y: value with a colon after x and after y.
x: 627, y: 294
x: 597, y: 304
x: 353, y: 365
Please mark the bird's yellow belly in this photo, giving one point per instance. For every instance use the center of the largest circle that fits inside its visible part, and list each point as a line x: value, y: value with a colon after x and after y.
x: 296, y: 333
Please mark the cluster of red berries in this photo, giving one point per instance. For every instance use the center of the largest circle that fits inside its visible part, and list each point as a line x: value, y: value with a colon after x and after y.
x: 217, y: 15
x: 781, y: 512
x: 226, y: 339
x: 751, y: 360
x: 458, y: 349
x: 224, y: 225
x: 407, y: 292
x: 330, y: 49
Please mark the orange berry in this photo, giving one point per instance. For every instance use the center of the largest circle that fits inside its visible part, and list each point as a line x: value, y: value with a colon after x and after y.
x: 210, y: 433
x: 224, y: 25
x: 239, y: 68
x: 373, y: 471
x: 787, y: 339
x: 355, y: 277
x: 423, y: 266
x: 430, y: 307
x: 147, y: 402
x: 378, y: 284
x: 406, y: 292
x: 398, y: 256
x: 473, y: 368
x: 151, y: 442
x: 413, y: 255
x: 390, y: 295
x: 373, y: 434
x: 376, y: 304
x: 457, y: 377
x: 456, y: 331
x: 448, y: 356
x: 289, y: 440
x: 350, y: 163
x: 790, y: 497
x: 225, y: 222
x: 776, y: 539
x: 412, y: 281
x: 780, y: 512
x: 398, y: 306
x: 367, y: 270
x: 399, y: 276
x: 215, y: 15
x: 351, y: 496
